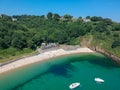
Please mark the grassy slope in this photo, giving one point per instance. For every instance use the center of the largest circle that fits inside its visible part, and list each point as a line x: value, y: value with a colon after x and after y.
x: 12, y: 53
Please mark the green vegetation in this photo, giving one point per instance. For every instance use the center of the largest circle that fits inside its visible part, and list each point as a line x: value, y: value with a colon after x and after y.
x: 13, y: 53
x: 20, y: 34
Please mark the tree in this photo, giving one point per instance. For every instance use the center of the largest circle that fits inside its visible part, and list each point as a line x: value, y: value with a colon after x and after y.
x: 42, y: 16
x: 95, y: 18
x: 80, y: 18
x: 56, y: 17
x: 107, y: 21
x: 19, y: 43
x: 101, y: 27
x: 115, y: 44
x: 116, y: 27
x: 88, y: 17
x: 31, y: 44
x: 49, y: 15
x: 37, y: 39
x: 19, y: 40
x: 67, y: 17
x: 2, y: 44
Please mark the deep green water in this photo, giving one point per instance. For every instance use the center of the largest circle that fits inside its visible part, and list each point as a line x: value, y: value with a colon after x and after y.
x: 60, y: 73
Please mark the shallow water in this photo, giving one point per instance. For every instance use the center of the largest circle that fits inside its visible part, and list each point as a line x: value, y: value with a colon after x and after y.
x: 59, y: 73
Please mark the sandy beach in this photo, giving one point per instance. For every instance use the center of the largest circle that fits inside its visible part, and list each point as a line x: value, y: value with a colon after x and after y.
x: 41, y: 57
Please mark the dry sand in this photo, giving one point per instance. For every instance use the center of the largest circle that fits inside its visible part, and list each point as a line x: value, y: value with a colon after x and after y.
x: 41, y: 57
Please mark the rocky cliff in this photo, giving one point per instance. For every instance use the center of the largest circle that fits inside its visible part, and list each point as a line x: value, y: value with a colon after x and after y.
x: 100, y: 50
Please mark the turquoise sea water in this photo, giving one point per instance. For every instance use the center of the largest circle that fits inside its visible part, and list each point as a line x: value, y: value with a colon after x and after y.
x: 59, y: 73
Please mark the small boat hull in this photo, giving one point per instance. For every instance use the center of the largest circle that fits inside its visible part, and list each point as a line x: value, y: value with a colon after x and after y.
x: 99, y: 80
x: 74, y: 85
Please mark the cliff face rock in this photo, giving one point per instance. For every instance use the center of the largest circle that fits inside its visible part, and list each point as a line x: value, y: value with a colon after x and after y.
x: 86, y: 41
x: 97, y: 49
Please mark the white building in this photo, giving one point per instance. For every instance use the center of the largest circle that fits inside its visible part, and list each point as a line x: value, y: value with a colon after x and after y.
x: 86, y: 20
x: 14, y: 19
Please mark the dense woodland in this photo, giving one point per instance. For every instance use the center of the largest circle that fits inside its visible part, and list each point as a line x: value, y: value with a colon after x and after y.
x: 25, y: 33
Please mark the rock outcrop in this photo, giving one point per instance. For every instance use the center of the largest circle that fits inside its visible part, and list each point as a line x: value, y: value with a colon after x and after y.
x: 100, y: 50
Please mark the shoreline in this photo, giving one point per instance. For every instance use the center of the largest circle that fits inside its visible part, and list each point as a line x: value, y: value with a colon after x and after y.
x: 109, y: 55
x: 41, y: 57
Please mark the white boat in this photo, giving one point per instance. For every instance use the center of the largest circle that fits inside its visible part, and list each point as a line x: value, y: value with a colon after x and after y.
x: 74, y: 85
x: 99, y: 80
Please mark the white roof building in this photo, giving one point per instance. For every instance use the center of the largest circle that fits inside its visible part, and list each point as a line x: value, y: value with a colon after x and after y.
x: 86, y: 20
x: 14, y: 19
